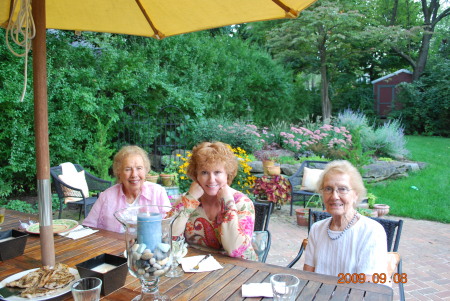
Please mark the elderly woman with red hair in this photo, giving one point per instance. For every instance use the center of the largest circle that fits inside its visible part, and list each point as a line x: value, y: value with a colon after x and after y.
x: 213, y: 215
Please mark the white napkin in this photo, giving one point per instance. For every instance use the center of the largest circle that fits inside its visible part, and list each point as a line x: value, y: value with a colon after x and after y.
x: 207, y: 265
x: 257, y: 290
x: 78, y: 232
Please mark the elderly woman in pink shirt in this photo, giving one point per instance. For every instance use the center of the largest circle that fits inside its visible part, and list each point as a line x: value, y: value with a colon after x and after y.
x: 131, y: 165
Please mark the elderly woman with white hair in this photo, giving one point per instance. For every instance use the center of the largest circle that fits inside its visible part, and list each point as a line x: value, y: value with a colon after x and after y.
x: 347, y: 242
x: 131, y: 165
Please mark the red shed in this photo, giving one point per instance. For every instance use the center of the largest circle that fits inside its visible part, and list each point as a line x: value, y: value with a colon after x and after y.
x: 384, y: 90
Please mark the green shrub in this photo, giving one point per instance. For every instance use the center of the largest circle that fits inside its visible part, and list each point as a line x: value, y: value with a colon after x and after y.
x: 98, y: 153
x: 390, y: 140
x: 385, y: 140
x: 287, y: 160
x: 21, y: 206
x: 227, y: 131
x: 352, y: 120
x: 312, y: 158
x: 355, y: 154
x: 426, y: 102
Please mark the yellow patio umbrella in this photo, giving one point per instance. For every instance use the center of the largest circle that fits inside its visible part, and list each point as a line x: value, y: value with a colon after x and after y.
x: 158, y: 18
x: 150, y: 18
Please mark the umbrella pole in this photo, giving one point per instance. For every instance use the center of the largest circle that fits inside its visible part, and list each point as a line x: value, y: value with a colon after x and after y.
x: 41, y: 133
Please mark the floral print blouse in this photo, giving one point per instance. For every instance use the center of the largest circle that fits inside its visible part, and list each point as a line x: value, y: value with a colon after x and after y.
x: 231, y: 232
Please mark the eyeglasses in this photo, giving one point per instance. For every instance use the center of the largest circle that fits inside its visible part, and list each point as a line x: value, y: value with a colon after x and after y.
x: 340, y: 190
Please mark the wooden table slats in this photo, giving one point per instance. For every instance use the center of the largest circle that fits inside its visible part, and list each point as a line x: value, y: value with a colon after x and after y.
x: 235, y: 285
x: 340, y: 293
x: 222, y: 284
x: 310, y: 290
x: 325, y: 292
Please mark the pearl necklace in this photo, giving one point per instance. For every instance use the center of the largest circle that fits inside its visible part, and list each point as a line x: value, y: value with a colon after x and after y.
x: 345, y: 229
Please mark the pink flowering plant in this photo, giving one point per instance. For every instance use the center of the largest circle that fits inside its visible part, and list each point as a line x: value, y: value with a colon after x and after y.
x: 323, y: 140
x: 245, y: 135
x: 248, y: 136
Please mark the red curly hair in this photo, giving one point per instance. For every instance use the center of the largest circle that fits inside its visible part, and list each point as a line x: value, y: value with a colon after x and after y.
x: 208, y: 154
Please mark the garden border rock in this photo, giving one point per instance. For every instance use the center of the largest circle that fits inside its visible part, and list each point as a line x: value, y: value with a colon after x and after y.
x: 375, y: 172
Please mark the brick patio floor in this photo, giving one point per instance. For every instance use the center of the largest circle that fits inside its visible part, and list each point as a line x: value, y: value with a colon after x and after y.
x: 424, y: 246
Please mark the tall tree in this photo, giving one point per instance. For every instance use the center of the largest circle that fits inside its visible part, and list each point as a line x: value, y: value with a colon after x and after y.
x: 431, y: 17
x: 319, y: 40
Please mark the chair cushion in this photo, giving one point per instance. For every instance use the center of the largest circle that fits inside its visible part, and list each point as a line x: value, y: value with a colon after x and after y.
x: 310, y: 178
x: 77, y: 180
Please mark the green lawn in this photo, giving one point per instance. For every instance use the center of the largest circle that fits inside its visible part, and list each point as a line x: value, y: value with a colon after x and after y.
x: 432, y: 199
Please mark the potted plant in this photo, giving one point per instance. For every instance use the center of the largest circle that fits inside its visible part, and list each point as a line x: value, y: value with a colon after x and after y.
x: 152, y: 176
x: 269, y: 160
x: 367, y: 212
x: 274, y: 170
x: 302, y: 214
x: 371, y: 198
x: 275, y: 189
x: 169, y: 177
x: 380, y: 209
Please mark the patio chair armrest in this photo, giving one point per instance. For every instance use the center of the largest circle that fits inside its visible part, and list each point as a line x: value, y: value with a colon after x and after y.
x: 300, y: 253
x: 400, y: 284
x: 269, y: 243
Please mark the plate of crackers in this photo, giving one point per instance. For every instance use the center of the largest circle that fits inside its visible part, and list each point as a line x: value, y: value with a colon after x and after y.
x: 40, y: 283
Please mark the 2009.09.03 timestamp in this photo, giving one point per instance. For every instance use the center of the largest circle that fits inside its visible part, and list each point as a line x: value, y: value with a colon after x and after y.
x: 376, y: 278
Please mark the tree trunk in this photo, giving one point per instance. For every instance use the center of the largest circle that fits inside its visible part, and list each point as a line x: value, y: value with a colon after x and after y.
x: 423, y: 53
x: 430, y: 19
x: 326, y: 104
x: 394, y: 13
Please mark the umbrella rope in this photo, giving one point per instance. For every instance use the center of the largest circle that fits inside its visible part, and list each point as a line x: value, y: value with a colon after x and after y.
x: 22, y: 27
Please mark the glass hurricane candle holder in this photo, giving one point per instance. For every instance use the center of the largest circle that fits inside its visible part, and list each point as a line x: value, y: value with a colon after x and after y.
x: 148, y: 234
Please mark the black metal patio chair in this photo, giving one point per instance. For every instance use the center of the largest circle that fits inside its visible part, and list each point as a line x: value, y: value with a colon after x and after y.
x: 64, y: 190
x: 297, y: 178
x: 262, y: 218
x: 393, y: 231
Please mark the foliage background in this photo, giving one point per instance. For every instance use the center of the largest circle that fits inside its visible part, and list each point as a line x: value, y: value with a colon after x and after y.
x: 244, y: 73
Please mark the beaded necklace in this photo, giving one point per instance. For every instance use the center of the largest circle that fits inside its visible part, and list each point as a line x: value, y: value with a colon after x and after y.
x: 346, y: 228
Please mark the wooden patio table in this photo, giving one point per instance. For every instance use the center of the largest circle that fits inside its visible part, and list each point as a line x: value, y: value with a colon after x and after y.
x: 223, y: 284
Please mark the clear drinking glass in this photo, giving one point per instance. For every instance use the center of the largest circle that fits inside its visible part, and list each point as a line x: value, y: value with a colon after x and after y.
x: 148, y: 234
x: 284, y: 287
x: 259, y: 243
x: 179, y: 250
x: 87, y: 289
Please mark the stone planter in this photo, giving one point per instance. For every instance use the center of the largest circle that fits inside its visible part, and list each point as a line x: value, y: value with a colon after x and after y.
x: 274, y: 170
x: 266, y: 164
x: 381, y: 209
